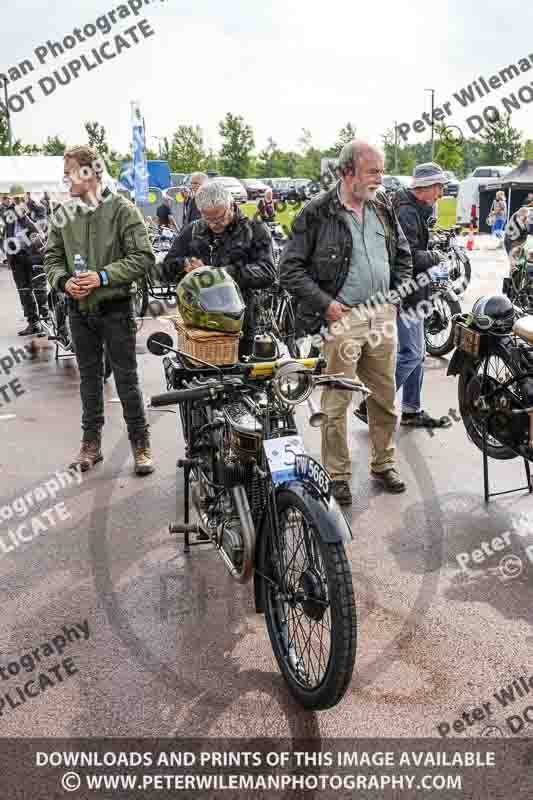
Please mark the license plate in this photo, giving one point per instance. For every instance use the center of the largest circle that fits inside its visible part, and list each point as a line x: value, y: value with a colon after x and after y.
x: 281, y: 456
x: 309, y: 469
x: 466, y: 339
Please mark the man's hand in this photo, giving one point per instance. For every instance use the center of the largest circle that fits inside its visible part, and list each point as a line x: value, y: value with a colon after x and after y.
x: 335, y: 311
x: 193, y: 263
x: 73, y: 289
x: 88, y: 281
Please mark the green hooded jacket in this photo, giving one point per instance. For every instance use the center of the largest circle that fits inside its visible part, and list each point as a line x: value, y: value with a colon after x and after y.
x: 111, y: 237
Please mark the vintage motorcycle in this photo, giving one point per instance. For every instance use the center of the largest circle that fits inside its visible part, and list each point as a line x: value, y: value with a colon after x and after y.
x: 494, y: 362
x: 267, y: 507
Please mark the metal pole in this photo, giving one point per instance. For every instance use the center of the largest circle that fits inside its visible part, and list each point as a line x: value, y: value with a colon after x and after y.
x: 395, y: 147
x: 432, y: 123
x: 8, y: 117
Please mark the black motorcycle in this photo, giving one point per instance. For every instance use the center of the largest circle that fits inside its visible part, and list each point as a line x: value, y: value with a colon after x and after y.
x: 438, y: 326
x: 494, y: 362
x: 267, y: 508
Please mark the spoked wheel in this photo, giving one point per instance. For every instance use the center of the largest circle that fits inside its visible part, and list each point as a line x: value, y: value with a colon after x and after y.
x: 438, y: 327
x: 298, y: 346
x: 460, y: 271
x: 313, y: 627
x: 474, y: 385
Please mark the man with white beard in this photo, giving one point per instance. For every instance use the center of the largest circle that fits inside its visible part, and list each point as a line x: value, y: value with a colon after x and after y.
x: 346, y: 253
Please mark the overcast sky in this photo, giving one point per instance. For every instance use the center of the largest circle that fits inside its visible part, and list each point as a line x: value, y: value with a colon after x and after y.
x: 283, y: 65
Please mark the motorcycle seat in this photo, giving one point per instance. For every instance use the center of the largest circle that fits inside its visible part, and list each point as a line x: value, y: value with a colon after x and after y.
x: 524, y: 328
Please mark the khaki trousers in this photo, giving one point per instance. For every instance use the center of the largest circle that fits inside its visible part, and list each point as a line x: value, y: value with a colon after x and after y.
x: 362, y: 345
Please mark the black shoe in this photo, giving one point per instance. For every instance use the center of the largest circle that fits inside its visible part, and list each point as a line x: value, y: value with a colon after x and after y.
x: 341, y: 492
x: 391, y: 480
x: 361, y: 412
x: 419, y: 419
x: 33, y: 329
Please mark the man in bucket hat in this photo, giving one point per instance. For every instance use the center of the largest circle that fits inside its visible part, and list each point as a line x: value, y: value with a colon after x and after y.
x: 414, y: 207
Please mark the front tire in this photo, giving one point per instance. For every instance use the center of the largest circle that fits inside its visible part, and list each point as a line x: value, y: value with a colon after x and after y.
x: 319, y: 610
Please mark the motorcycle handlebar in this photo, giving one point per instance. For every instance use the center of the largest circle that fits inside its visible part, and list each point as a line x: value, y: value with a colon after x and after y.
x: 178, y: 396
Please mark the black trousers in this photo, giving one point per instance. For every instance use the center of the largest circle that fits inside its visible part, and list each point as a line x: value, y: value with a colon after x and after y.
x: 31, y: 286
x: 117, y: 331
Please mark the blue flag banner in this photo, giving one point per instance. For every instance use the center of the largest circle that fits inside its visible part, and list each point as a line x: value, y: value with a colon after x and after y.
x: 140, y: 169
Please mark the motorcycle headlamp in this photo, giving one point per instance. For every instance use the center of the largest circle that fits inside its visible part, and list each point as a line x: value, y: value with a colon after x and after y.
x: 292, y: 383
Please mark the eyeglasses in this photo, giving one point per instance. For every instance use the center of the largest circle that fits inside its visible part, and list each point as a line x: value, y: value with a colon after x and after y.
x: 216, y: 220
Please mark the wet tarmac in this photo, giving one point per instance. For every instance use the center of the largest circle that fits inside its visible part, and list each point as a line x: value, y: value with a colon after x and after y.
x: 174, y: 647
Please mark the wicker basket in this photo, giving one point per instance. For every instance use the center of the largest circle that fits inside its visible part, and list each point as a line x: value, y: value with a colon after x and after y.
x: 215, y: 348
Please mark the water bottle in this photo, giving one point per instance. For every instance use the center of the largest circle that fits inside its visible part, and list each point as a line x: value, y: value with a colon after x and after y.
x: 79, y: 265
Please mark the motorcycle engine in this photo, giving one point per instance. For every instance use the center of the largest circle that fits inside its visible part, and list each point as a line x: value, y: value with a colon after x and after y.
x: 246, y: 432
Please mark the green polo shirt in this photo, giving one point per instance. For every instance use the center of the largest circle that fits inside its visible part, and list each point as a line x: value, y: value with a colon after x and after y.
x: 369, y: 271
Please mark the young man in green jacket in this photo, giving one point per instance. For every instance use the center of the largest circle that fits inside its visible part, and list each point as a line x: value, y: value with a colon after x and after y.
x: 110, y: 235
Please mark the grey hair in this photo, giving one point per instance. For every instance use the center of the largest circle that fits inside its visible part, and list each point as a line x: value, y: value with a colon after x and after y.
x: 213, y: 195
x: 351, y: 153
x: 201, y: 175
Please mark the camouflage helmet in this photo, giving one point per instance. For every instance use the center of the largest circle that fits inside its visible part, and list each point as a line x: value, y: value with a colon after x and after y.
x: 209, y: 298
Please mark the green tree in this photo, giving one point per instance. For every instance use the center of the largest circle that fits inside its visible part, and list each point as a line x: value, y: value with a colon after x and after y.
x: 449, y: 150
x: 406, y: 155
x: 528, y: 149
x: 187, y: 151
x: 97, y: 138
x: 237, y: 146
x: 502, y: 144
x: 472, y: 155
x: 54, y: 146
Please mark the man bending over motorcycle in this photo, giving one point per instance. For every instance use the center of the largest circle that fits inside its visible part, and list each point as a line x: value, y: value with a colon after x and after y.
x: 225, y: 237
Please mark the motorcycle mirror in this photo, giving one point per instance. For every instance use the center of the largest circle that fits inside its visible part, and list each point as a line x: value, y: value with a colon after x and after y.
x: 159, y: 343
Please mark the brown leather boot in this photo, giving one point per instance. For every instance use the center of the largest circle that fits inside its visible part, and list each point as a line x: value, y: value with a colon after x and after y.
x: 142, y: 455
x: 89, y: 455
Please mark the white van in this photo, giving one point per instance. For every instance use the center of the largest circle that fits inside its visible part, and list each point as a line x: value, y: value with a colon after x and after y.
x: 468, y: 194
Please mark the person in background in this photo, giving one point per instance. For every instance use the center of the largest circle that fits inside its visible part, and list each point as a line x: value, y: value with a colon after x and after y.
x: 109, y: 233
x: 225, y: 237
x: 414, y: 207
x: 164, y: 215
x: 499, y: 209
x: 346, y: 250
x: 265, y: 207
x: 23, y: 255
x: 36, y: 210
x: 5, y: 205
x: 191, y: 211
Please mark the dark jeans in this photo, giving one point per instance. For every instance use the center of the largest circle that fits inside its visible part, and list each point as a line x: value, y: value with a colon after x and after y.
x: 117, y: 331
x: 32, y: 293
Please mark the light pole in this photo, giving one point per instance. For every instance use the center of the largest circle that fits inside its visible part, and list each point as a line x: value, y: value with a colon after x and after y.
x: 432, y: 121
x: 8, y: 118
x: 395, y: 147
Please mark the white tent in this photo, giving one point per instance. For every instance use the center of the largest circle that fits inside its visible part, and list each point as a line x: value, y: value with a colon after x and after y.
x: 35, y: 173
x: 38, y: 174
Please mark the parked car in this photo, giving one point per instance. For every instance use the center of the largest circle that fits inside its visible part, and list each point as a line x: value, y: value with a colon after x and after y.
x: 468, y: 194
x: 452, y: 187
x: 280, y: 188
x: 235, y: 187
x: 394, y: 182
x: 256, y: 188
x: 299, y: 190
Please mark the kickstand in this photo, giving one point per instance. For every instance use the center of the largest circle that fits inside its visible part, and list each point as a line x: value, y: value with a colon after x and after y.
x: 186, y: 506
x: 488, y: 493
